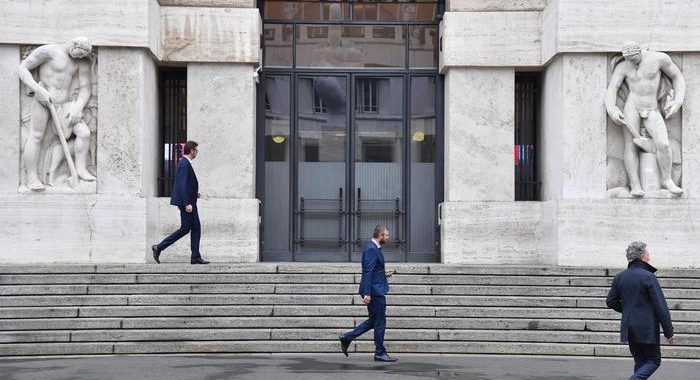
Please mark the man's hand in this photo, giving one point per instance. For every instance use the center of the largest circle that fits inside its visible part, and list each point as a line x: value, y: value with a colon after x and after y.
x: 672, y: 108
x: 389, y: 272
x: 617, y: 117
x: 74, y: 114
x: 366, y: 300
x: 188, y: 208
x: 671, y: 340
x: 43, y: 96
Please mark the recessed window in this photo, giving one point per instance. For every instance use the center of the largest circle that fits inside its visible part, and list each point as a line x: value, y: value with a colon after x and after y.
x: 172, y: 86
x: 527, y: 100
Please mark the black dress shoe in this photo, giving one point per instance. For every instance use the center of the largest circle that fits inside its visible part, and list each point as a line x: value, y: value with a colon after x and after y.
x: 344, y: 344
x: 199, y: 260
x: 384, y: 358
x: 156, y: 253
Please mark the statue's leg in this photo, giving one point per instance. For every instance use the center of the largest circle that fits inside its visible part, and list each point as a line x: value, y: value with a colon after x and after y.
x: 40, y: 117
x: 657, y: 130
x: 82, y: 148
x: 631, y: 153
x: 56, y: 159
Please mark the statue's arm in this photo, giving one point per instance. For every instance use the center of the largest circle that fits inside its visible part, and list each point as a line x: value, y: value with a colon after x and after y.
x: 616, y: 80
x: 669, y: 68
x: 84, y: 84
x: 35, y: 59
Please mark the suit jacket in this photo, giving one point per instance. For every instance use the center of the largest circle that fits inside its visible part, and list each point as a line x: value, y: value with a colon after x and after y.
x: 636, y: 294
x: 373, y: 281
x: 186, y: 186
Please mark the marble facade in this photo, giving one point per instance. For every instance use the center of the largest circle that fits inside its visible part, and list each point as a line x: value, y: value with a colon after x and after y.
x: 484, y: 43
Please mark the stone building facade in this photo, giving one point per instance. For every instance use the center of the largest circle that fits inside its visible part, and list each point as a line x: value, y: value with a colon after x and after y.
x: 465, y: 211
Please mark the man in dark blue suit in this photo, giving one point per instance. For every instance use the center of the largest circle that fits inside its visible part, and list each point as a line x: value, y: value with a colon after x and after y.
x: 636, y: 294
x: 373, y: 288
x: 184, y: 196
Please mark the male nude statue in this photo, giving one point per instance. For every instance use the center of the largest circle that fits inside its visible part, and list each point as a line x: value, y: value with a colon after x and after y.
x: 642, y: 70
x: 58, y: 65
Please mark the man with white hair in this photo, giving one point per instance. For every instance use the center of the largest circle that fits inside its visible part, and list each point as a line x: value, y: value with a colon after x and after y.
x: 641, y: 70
x: 636, y: 294
x: 58, y: 66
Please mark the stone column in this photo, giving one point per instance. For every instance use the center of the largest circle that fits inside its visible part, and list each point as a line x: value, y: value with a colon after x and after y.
x: 127, y: 147
x: 691, y: 126
x: 9, y: 118
x: 221, y: 117
x: 573, y: 128
x: 479, y: 130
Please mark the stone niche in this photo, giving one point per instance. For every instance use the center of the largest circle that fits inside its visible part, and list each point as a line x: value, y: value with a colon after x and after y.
x: 73, y: 81
x: 618, y: 182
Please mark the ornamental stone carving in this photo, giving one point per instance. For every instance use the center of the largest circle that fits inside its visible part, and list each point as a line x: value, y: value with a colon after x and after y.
x: 645, y: 94
x: 58, y: 117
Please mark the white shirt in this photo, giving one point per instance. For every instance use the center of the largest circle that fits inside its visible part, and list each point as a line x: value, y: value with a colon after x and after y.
x: 188, y: 159
x: 375, y: 243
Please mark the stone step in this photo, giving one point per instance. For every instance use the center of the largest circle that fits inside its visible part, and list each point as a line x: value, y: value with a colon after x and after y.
x: 318, y: 334
x: 318, y: 268
x: 330, y: 299
x: 364, y: 347
x: 274, y: 278
x: 348, y: 289
x: 322, y: 310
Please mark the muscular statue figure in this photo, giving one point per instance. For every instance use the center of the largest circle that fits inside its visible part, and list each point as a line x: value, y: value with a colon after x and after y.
x: 642, y: 72
x: 58, y: 65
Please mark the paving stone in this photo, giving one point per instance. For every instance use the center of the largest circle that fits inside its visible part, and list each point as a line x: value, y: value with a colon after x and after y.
x: 60, y: 323
x: 21, y: 301
x: 225, y: 347
x: 174, y: 311
x: 487, y: 323
x: 21, y: 290
x: 34, y: 336
x: 170, y: 335
x: 667, y: 352
x: 28, y: 349
x: 332, y: 334
x: 529, y: 336
x: 238, y: 322
x: 182, y: 289
x: 32, y: 279
x: 475, y: 280
x: 250, y: 299
x: 483, y: 348
x: 38, y: 312
x: 517, y: 270
x: 540, y: 291
x: 245, y: 278
x: 673, y: 304
x: 187, y: 268
x: 482, y: 301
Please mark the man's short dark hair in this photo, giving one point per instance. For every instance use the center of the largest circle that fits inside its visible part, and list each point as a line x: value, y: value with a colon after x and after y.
x: 190, y: 146
x: 378, y: 230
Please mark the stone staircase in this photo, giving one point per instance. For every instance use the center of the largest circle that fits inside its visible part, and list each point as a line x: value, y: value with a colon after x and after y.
x: 301, y: 308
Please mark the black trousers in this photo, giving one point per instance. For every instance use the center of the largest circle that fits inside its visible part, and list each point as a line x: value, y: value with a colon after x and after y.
x: 376, y: 321
x: 189, y: 223
x: 647, y: 359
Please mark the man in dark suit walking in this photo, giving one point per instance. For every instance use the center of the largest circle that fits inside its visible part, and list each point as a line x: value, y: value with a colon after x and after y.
x: 636, y: 294
x: 373, y: 288
x: 185, y: 194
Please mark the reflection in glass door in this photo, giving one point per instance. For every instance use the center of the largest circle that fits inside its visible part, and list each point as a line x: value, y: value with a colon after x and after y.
x: 320, y: 204
x: 378, y: 182
x: 343, y: 153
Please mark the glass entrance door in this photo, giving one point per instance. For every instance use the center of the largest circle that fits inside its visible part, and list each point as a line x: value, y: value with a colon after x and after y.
x: 378, y: 162
x: 349, y: 165
x: 321, y: 197
x: 345, y: 152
